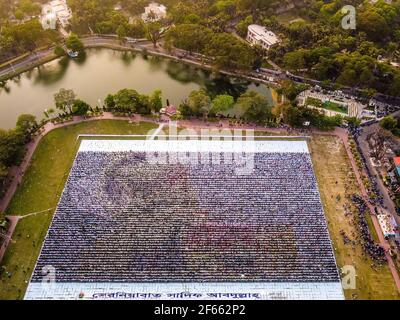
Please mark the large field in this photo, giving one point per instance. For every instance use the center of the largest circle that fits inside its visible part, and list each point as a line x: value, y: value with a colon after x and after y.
x: 52, y: 161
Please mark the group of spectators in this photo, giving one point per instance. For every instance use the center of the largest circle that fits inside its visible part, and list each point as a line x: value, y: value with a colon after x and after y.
x: 374, y: 250
x: 373, y: 189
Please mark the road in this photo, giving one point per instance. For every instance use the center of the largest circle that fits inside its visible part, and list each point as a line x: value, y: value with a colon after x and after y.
x: 364, y: 146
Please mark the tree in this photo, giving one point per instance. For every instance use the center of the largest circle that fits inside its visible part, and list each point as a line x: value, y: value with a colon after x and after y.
x: 389, y: 123
x: 11, y: 147
x: 199, y: 103
x: 242, y: 26
x: 74, y: 43
x: 222, y: 103
x: 121, y: 32
x: 291, y: 89
x: 3, y: 175
x: 190, y: 37
x: 256, y: 107
x: 59, y: 51
x: 295, y: 60
x: 129, y: 100
x: 80, y: 108
x: 27, y: 124
x: 109, y: 102
x: 156, y: 101
x: 353, y: 122
x: 65, y: 99
x: 373, y: 24
x: 230, y: 52
x: 153, y: 32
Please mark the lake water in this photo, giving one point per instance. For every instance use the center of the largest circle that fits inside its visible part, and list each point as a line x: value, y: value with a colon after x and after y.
x: 102, y: 71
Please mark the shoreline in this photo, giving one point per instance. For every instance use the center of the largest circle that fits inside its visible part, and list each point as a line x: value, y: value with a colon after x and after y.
x: 50, y: 56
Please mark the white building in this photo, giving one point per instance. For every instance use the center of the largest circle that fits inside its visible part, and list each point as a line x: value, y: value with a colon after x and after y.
x: 154, y: 12
x: 56, y: 11
x: 258, y: 35
x: 331, y: 104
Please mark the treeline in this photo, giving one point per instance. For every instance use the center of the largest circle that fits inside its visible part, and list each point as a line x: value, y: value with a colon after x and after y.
x: 255, y: 108
x: 12, y: 145
x: 391, y: 124
x: 100, y: 17
x: 250, y: 106
x: 20, y: 38
x: 130, y: 101
x: 317, y: 45
x: 226, y: 50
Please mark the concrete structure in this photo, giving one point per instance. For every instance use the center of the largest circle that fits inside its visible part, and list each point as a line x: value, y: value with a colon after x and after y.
x: 259, y: 35
x: 169, y: 110
x: 55, y: 12
x: 154, y: 12
x: 353, y: 107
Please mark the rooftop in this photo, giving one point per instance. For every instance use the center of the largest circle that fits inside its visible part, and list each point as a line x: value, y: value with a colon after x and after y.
x: 263, y: 34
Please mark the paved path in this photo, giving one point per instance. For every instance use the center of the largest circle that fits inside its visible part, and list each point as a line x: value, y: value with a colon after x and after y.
x: 382, y: 241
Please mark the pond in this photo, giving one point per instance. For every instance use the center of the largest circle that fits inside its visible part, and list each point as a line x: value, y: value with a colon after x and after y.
x: 102, y: 71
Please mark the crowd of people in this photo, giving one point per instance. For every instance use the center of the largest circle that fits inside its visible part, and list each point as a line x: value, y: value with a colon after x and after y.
x: 373, y: 189
x: 374, y: 250
x: 123, y: 219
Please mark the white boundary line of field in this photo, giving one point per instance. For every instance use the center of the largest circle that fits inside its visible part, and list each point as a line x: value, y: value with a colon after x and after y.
x: 185, y: 136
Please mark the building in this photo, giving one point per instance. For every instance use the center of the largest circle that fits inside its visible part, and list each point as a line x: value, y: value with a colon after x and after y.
x: 259, y: 35
x: 154, y: 12
x: 165, y: 220
x: 169, y: 110
x: 55, y: 12
x: 331, y: 104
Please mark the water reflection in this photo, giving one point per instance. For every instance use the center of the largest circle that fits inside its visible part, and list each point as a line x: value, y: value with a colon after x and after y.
x: 52, y: 73
x: 103, y: 71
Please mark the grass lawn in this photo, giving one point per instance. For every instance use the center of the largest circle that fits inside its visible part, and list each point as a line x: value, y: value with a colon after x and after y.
x: 335, y: 107
x: 40, y: 190
x: 327, y: 105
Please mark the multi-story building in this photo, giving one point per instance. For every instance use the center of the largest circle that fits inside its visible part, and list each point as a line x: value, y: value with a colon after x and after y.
x: 154, y: 12
x: 259, y: 35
